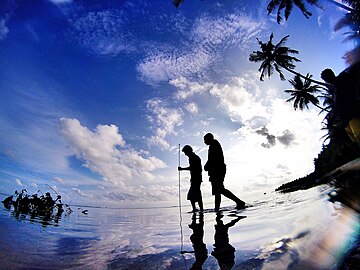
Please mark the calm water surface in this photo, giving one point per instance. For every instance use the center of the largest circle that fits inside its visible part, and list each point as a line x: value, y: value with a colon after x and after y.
x: 300, y: 230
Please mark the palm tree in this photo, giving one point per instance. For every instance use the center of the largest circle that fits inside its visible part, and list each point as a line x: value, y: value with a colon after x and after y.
x: 351, y: 20
x: 275, y: 58
x: 289, y: 4
x: 303, y: 93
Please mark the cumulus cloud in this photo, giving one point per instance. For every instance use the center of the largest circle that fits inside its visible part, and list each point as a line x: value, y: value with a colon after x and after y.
x: 203, y: 47
x: 187, y: 88
x: 286, y: 138
x: 164, y: 120
x: 269, y: 137
x: 241, y: 98
x: 105, y: 152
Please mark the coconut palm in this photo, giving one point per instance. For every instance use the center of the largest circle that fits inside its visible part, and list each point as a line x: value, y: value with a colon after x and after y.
x: 287, y: 6
x: 275, y: 58
x: 351, y: 20
x: 303, y: 93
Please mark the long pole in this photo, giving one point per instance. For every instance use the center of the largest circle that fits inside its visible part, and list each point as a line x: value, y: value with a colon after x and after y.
x: 182, y: 252
x: 179, y: 179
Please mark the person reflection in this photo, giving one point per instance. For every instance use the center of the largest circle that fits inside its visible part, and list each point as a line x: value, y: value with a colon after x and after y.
x: 223, y: 251
x: 197, y: 241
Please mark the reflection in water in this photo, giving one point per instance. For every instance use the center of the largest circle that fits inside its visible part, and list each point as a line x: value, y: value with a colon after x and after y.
x: 197, y: 241
x: 301, y: 230
x: 43, y: 209
x: 223, y: 251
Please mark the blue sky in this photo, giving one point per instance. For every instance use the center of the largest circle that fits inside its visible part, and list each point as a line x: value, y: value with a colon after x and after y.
x: 95, y: 97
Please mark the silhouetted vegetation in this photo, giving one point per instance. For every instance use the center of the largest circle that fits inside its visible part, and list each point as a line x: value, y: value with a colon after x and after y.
x: 42, y: 207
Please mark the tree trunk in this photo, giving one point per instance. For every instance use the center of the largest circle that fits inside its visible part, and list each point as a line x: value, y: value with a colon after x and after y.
x: 304, y: 77
x: 323, y: 109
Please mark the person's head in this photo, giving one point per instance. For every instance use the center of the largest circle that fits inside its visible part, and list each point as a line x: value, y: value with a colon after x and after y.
x: 328, y: 75
x: 187, y: 149
x: 208, y: 138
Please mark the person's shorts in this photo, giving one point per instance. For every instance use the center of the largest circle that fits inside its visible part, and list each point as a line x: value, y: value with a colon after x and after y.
x: 194, y: 193
x: 217, y: 187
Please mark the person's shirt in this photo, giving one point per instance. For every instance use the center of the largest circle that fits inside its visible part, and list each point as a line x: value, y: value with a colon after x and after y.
x: 195, y: 167
x: 347, y: 93
x: 215, y: 160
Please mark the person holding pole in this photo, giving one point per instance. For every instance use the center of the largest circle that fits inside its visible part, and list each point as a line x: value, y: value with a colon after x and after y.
x: 216, y: 168
x: 194, y: 195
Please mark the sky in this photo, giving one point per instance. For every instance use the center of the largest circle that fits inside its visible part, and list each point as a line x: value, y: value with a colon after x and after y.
x: 97, y: 96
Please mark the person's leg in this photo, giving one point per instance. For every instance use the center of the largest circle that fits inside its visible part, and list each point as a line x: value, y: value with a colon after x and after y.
x: 216, y: 191
x: 193, y: 205
x: 217, y: 201
x: 201, y: 206
x: 239, y: 203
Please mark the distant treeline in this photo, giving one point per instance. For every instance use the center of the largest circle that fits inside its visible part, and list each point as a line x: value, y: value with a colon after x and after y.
x: 333, y: 155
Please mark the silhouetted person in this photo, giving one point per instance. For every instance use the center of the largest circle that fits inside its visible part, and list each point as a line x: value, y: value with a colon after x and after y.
x: 223, y: 251
x: 216, y: 168
x: 8, y: 202
x: 346, y: 92
x: 197, y: 241
x: 194, y: 195
x: 48, y: 200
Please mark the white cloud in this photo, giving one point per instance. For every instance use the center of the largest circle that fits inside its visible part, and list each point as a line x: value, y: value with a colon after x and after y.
x: 104, y: 151
x: 164, y: 66
x: 34, y: 185
x: 18, y: 182
x: 195, y: 56
x: 4, y: 30
x: 164, y: 120
x: 187, y: 88
x: 61, y: 1
x: 192, y: 108
x: 102, y: 33
x: 58, y: 179
x: 78, y: 192
x: 233, y: 29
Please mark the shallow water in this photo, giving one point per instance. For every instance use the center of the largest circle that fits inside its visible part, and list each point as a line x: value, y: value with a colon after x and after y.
x: 300, y: 230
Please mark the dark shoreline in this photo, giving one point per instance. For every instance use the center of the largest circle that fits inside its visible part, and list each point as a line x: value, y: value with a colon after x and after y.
x: 337, y: 177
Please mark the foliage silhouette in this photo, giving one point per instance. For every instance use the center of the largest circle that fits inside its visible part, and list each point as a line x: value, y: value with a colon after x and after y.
x: 303, y: 93
x: 44, y: 207
x: 277, y: 57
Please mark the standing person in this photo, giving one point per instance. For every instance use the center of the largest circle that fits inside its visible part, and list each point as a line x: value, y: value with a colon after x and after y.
x: 195, y: 168
x: 346, y: 93
x: 216, y: 168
